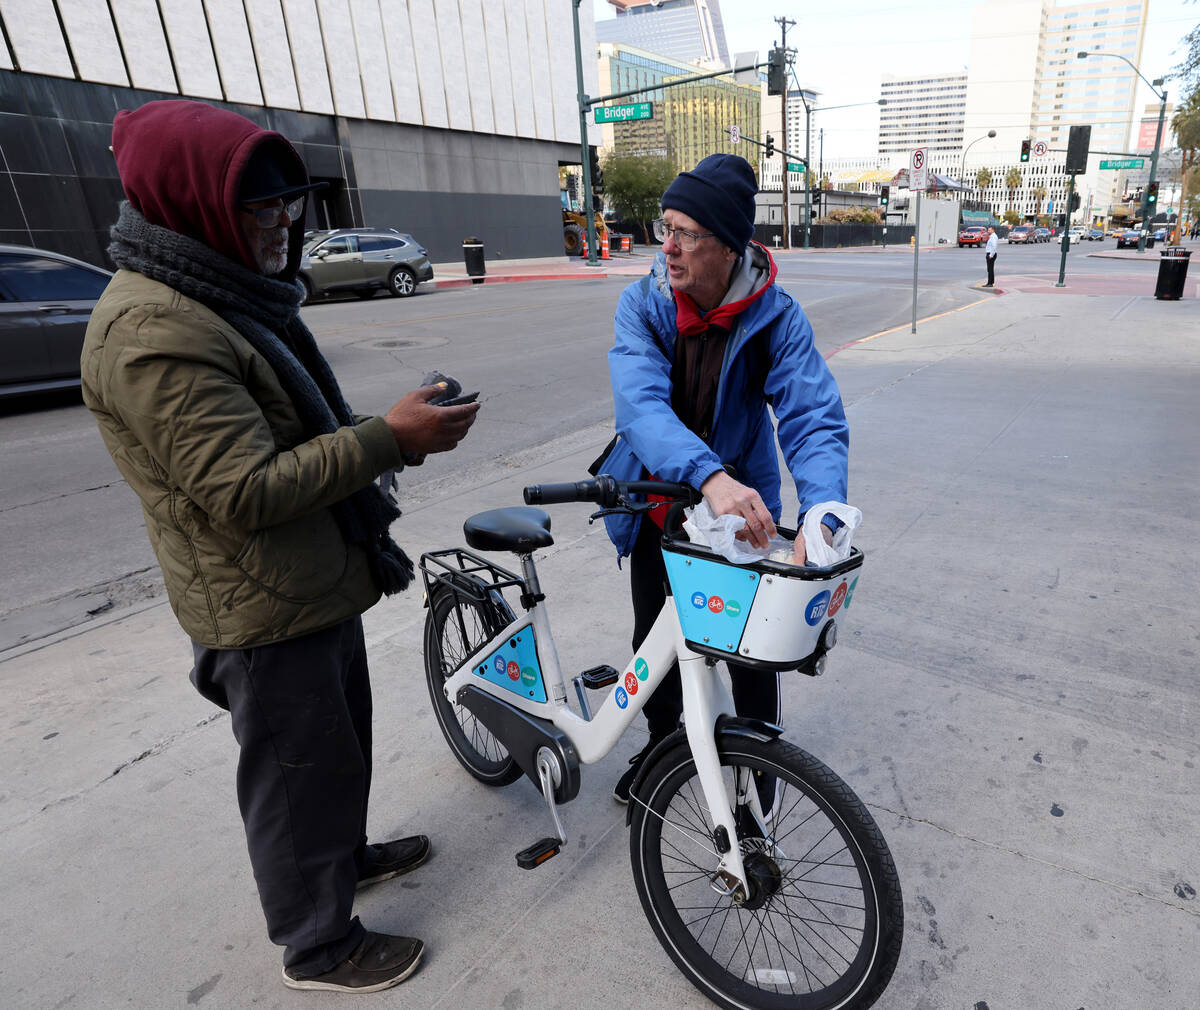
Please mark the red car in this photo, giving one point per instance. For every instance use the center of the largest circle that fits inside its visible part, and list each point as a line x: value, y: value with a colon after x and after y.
x: 972, y: 235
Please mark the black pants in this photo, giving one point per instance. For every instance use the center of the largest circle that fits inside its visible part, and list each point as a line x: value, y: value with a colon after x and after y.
x: 301, y: 714
x: 755, y: 694
x: 991, y: 265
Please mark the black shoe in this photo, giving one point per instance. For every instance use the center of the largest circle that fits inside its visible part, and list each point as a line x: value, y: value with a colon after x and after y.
x: 391, y: 859
x: 621, y: 789
x: 380, y: 962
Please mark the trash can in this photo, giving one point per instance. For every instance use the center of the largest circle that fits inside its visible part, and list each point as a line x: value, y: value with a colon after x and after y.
x: 473, y: 257
x: 1172, y: 273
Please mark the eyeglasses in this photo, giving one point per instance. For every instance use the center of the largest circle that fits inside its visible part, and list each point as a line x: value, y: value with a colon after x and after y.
x: 686, y: 240
x: 268, y: 217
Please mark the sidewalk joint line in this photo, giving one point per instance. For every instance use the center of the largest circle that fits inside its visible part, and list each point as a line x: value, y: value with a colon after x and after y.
x: 927, y: 319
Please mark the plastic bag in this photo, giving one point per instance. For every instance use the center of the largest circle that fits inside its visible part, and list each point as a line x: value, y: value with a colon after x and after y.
x: 719, y: 534
x: 821, y: 554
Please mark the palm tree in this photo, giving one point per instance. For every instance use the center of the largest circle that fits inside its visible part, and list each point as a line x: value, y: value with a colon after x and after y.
x: 983, y: 178
x: 1039, y: 194
x: 1012, y: 182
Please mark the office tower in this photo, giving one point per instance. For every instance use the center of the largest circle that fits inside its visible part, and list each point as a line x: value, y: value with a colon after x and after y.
x: 689, y: 30
x: 922, y: 111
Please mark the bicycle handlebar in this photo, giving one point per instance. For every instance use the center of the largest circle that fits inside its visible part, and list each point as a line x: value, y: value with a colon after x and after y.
x: 607, y: 492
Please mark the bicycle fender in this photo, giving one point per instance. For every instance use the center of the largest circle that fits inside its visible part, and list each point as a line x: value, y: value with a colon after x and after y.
x: 727, y: 725
x: 523, y: 735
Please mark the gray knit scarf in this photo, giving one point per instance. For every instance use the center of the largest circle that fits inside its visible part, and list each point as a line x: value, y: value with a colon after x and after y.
x: 266, y: 313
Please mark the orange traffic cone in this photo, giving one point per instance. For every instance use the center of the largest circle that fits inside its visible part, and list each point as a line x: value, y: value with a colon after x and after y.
x: 604, y: 245
x: 583, y: 245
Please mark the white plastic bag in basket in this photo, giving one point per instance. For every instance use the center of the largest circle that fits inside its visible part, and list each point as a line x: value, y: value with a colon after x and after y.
x: 719, y: 534
x: 821, y: 554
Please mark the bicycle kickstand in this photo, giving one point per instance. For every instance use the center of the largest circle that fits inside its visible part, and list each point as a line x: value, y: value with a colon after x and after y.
x: 549, y: 776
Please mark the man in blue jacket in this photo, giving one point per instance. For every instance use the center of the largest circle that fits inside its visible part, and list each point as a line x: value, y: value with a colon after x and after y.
x: 704, y: 344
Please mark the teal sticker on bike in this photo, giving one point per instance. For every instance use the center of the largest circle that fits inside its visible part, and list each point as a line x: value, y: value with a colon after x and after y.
x: 515, y: 667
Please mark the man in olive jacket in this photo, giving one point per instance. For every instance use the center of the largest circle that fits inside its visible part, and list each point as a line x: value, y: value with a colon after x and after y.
x: 258, y: 488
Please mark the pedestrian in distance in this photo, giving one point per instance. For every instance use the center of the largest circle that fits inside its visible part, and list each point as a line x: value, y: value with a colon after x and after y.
x: 258, y: 488
x: 703, y: 344
x: 989, y: 254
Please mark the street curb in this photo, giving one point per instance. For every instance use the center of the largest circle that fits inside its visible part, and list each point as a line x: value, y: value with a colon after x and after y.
x: 462, y: 282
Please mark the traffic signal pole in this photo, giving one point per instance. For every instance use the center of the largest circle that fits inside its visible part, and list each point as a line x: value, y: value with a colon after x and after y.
x: 1066, y: 239
x: 1162, y: 112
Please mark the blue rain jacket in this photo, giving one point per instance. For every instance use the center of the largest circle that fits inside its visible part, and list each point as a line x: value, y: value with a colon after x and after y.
x: 773, y: 336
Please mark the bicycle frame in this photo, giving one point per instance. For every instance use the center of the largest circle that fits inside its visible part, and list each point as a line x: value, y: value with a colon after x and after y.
x: 705, y: 699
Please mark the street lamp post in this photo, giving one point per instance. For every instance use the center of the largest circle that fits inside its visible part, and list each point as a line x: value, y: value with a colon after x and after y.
x: 962, y: 171
x: 1083, y: 54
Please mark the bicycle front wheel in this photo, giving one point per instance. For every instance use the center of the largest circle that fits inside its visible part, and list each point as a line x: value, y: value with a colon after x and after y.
x: 455, y: 627
x: 822, y: 926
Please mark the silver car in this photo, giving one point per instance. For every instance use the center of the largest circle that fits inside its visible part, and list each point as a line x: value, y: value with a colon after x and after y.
x: 46, y: 300
x: 361, y: 261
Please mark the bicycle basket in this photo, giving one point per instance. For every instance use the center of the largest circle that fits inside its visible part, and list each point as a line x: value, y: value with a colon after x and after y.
x: 768, y: 615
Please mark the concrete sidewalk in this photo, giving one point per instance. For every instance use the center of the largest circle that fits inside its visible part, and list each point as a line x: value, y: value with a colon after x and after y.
x: 1016, y: 702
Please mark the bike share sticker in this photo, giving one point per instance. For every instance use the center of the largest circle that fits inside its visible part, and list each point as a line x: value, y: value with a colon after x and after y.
x: 622, y: 698
x: 641, y: 669
x: 514, y: 666
x: 699, y: 601
x: 839, y: 597
x: 850, y: 594
x: 716, y: 604
x: 816, y: 608
x: 631, y: 683
x: 721, y: 596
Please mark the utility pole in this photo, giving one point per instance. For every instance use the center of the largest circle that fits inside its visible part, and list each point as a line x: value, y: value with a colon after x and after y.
x: 584, y: 155
x: 784, y: 23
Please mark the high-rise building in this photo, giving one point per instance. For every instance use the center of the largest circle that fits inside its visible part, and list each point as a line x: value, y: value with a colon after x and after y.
x: 688, y: 122
x: 688, y: 30
x: 925, y: 111
x: 442, y: 119
x: 802, y: 109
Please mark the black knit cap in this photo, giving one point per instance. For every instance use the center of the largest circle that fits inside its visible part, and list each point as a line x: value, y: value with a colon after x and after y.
x: 719, y: 194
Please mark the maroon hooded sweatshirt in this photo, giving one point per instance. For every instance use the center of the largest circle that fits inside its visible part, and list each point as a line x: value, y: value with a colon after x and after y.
x: 181, y: 163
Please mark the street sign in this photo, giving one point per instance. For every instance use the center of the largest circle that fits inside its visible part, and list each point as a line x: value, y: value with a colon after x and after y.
x: 918, y: 170
x: 1040, y: 148
x: 624, y: 113
x: 795, y: 166
x: 735, y: 135
x: 1122, y: 163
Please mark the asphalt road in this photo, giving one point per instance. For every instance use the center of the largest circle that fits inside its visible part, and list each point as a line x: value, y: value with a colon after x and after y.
x: 71, y: 531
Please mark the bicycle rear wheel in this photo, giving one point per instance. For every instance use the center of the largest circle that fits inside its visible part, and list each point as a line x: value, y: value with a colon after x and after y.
x: 455, y: 627
x: 822, y: 926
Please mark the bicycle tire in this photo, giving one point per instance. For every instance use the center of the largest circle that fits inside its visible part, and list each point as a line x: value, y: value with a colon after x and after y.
x: 828, y: 930
x: 449, y: 640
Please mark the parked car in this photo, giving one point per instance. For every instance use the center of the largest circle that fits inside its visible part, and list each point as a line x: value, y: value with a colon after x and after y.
x: 1042, y: 234
x: 1022, y: 233
x: 46, y: 300
x: 973, y: 234
x: 1160, y: 234
x: 1128, y: 239
x: 361, y: 261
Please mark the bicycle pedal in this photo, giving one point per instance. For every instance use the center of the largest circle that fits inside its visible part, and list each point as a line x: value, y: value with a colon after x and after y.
x: 598, y: 677
x: 538, y: 853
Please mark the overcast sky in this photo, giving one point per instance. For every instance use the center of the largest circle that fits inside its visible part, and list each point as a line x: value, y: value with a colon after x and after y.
x: 844, y: 49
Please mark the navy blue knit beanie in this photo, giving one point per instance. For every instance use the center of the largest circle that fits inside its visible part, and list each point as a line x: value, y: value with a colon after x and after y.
x: 719, y: 194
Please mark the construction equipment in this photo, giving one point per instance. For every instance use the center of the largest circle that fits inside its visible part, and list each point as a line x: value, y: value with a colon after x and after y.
x: 575, y: 229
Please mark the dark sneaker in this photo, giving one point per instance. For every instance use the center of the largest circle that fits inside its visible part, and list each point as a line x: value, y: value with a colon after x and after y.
x: 391, y: 859
x: 380, y: 962
x: 621, y: 789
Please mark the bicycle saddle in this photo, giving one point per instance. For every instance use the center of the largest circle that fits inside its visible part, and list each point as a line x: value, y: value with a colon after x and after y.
x: 519, y: 528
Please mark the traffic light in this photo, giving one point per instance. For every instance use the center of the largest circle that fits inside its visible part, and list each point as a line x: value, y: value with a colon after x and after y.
x: 776, y: 72
x: 1025, y: 145
x: 884, y: 193
x: 1152, y: 193
x: 597, y: 174
x: 1075, y: 202
x: 770, y: 149
x: 572, y: 187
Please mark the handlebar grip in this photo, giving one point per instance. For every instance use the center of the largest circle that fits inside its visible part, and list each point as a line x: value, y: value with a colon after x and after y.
x: 554, y: 494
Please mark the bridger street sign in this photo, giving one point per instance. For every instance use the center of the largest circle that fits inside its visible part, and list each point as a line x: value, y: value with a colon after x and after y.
x: 1122, y: 163
x: 624, y: 113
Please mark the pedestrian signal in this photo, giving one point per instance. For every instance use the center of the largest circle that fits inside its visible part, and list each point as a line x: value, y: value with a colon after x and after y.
x: 776, y: 72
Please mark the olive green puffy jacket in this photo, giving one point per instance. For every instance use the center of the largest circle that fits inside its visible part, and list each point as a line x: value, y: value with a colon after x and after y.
x: 236, y: 499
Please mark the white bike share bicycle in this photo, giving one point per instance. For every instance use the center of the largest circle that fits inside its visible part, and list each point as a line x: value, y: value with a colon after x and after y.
x: 764, y: 877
